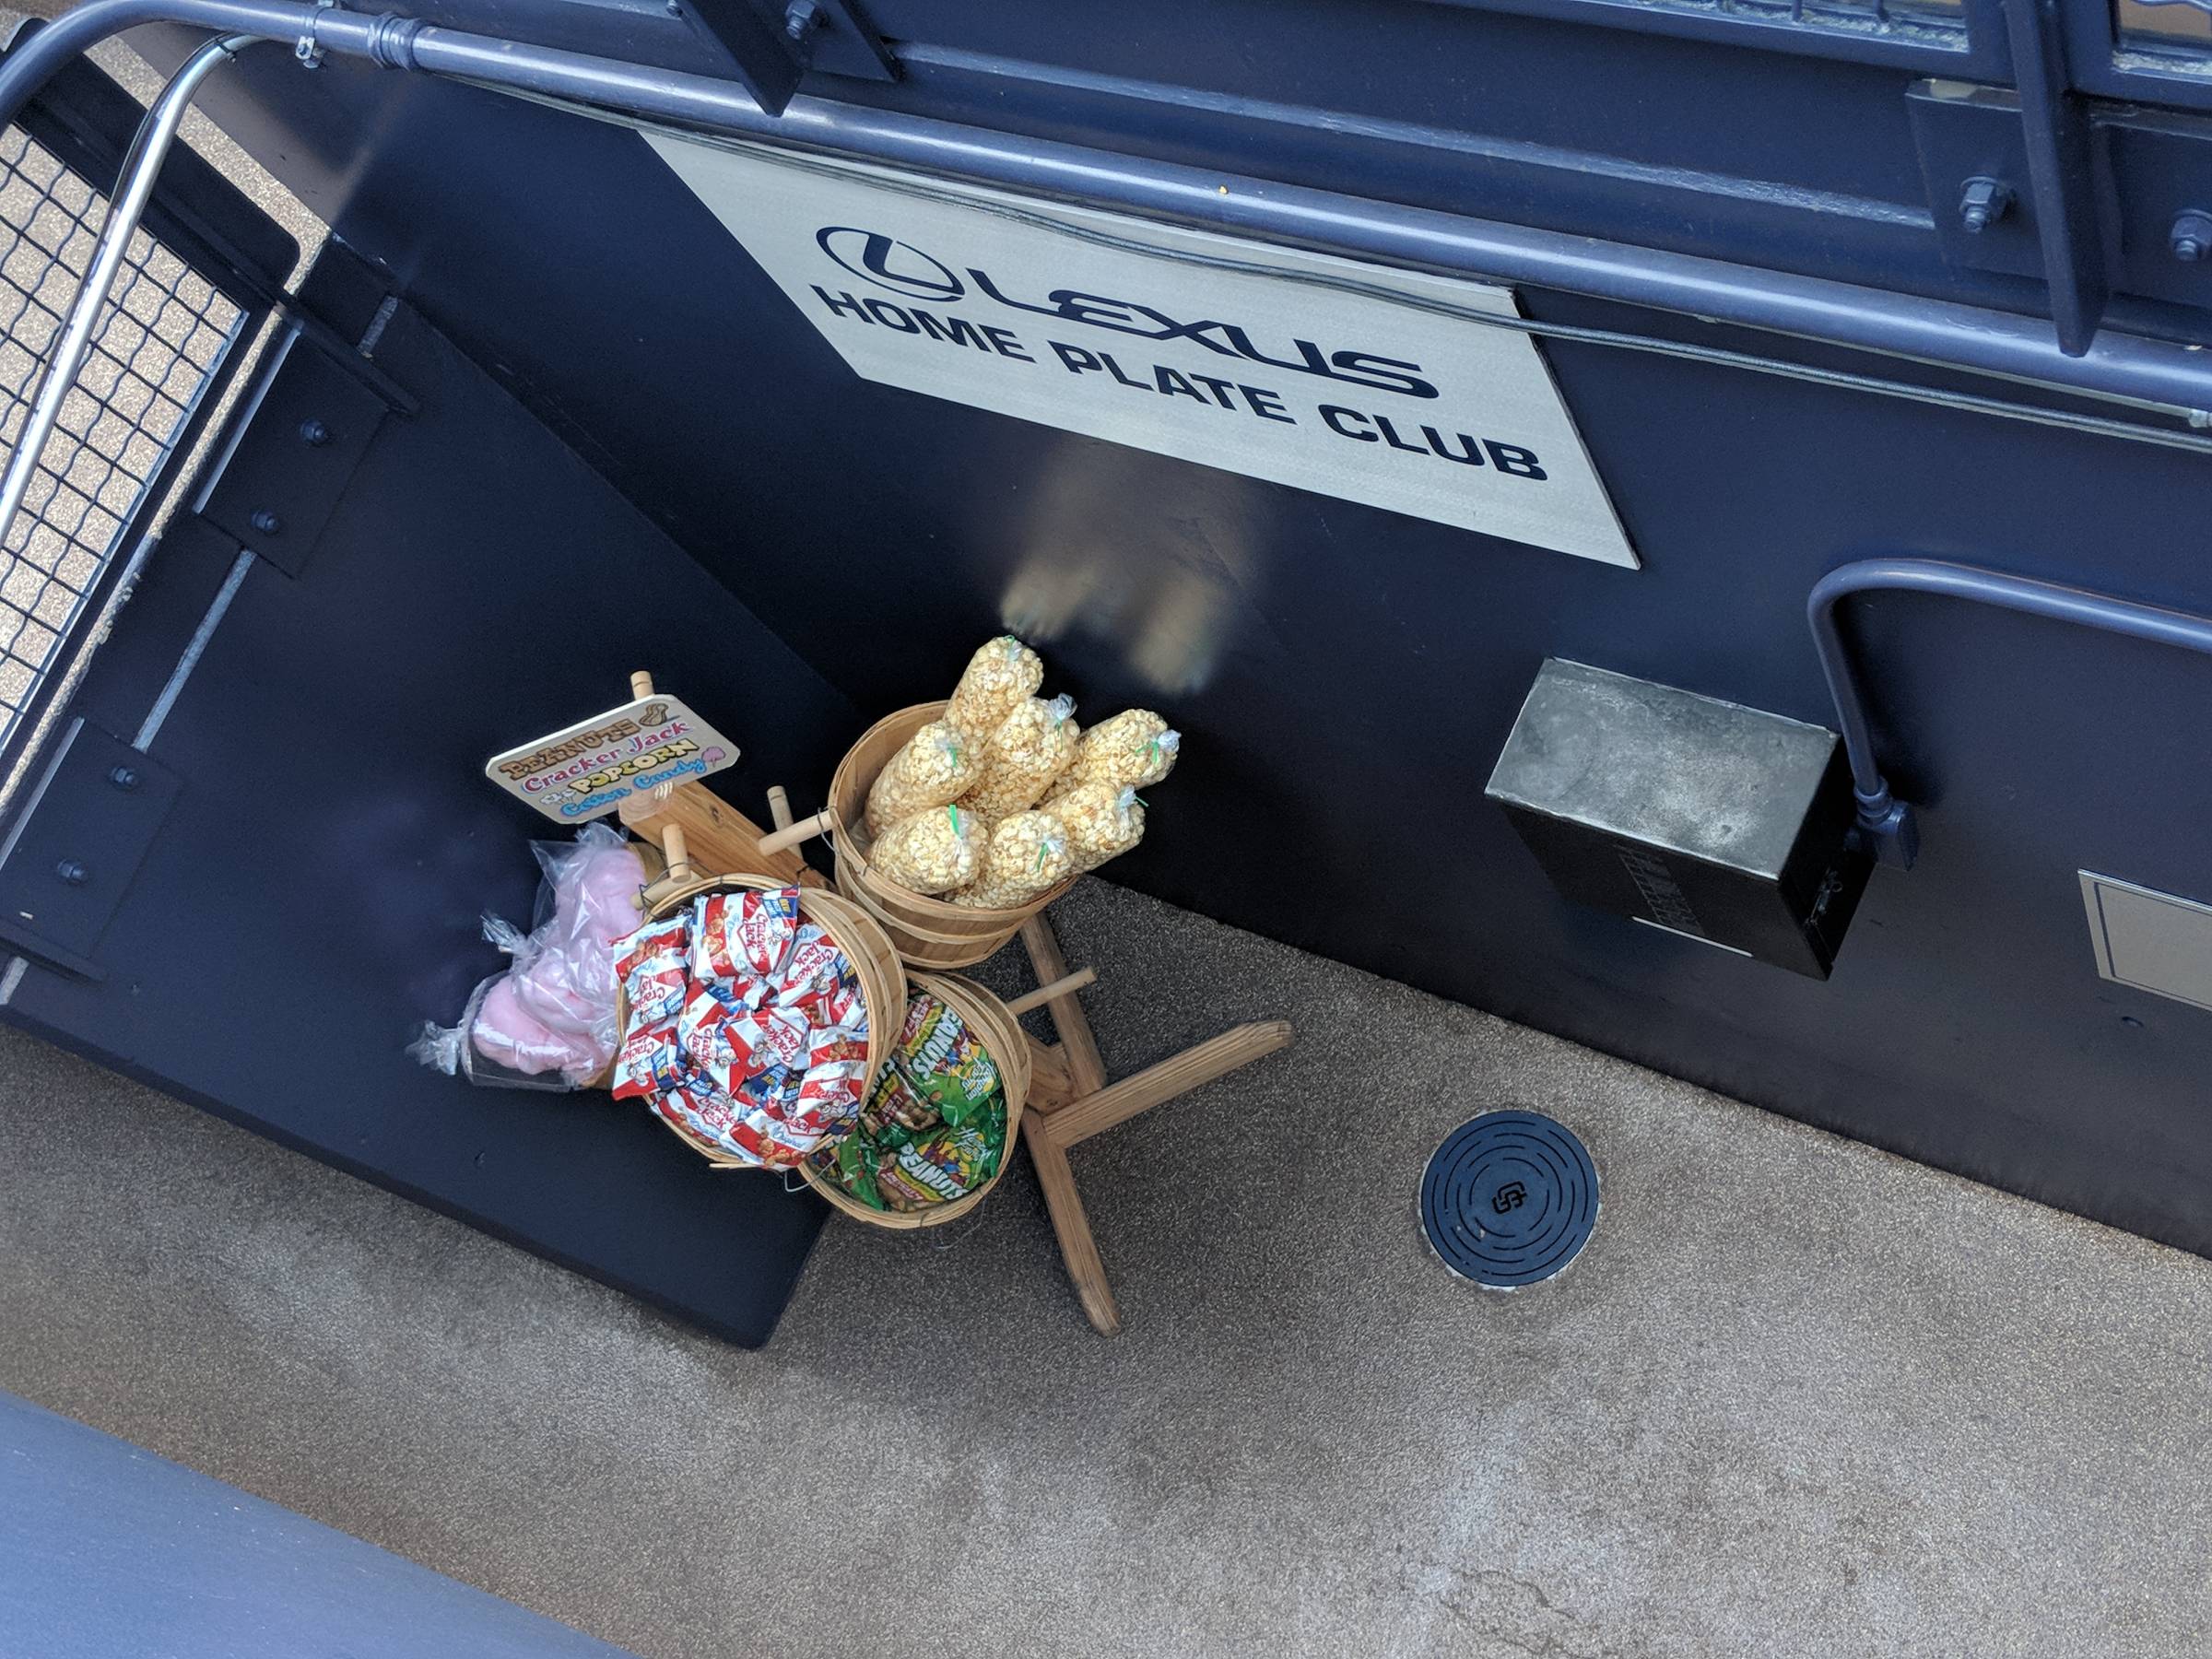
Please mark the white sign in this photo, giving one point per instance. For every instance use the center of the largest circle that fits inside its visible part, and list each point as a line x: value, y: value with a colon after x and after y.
x: 590, y: 768
x: 1351, y: 380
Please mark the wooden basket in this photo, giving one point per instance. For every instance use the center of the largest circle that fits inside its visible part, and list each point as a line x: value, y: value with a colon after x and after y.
x: 995, y: 1026
x: 929, y: 933
x: 849, y: 928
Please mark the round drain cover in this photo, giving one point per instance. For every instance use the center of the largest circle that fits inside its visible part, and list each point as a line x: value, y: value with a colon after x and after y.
x: 1510, y: 1198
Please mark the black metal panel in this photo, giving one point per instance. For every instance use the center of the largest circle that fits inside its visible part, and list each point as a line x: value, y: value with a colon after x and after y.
x: 315, y: 893
x: 306, y: 429
x: 77, y: 843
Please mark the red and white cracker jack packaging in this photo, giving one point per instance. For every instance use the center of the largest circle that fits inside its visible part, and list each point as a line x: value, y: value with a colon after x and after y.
x: 734, y: 934
x: 831, y: 1042
x: 650, y: 967
x: 813, y: 964
x: 647, y: 1062
x: 771, y: 1036
x: 704, y: 1033
x: 830, y: 1096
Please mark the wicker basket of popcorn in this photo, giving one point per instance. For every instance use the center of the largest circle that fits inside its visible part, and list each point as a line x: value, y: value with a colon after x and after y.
x: 953, y: 823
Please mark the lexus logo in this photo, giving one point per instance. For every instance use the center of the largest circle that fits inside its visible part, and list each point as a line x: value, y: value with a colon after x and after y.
x: 898, y: 267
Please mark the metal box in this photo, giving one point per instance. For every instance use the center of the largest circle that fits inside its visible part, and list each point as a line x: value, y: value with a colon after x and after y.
x: 1702, y: 817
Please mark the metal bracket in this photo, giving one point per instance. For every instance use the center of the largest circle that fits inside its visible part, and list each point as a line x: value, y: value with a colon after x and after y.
x: 291, y: 455
x: 1971, y: 136
x: 78, y: 843
x: 306, y: 48
x: 2160, y: 168
x: 833, y: 37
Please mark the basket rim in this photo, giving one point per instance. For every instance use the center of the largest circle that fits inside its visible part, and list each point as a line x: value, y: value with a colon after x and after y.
x: 880, y: 1038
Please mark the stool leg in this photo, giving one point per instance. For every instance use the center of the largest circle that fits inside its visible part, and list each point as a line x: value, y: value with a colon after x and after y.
x: 1086, y: 1070
x: 1077, y: 1248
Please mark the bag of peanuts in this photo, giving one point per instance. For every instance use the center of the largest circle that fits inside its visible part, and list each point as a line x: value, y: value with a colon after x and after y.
x: 1026, y: 856
x: 939, y: 764
x: 933, y: 852
x: 1024, y: 758
x: 1001, y: 676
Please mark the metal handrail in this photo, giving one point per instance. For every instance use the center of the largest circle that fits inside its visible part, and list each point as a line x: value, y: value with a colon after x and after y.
x: 2164, y: 377
x: 1885, y: 823
x: 126, y: 205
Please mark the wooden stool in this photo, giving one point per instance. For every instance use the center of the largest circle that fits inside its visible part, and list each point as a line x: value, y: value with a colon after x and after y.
x: 1070, y: 1100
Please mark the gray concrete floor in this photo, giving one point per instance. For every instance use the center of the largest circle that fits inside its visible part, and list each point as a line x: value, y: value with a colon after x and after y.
x: 1798, y: 1397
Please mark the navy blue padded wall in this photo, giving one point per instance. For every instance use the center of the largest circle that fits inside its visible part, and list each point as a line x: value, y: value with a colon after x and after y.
x: 315, y: 894
x: 1347, y: 676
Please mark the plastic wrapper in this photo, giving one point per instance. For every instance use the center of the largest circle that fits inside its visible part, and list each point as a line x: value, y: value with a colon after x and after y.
x: 1026, y: 858
x: 1025, y: 756
x: 933, y: 852
x: 734, y: 932
x: 944, y: 1062
x: 999, y: 678
x: 943, y: 1167
x: 939, y: 764
x: 1134, y: 749
x: 934, y: 1128
x: 1102, y: 822
x: 651, y: 965
x: 761, y: 1062
x: 548, y: 1022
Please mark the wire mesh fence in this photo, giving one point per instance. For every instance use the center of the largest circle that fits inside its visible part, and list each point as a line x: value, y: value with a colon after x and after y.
x: 157, y: 347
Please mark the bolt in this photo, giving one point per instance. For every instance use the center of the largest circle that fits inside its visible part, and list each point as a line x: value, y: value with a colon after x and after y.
x: 675, y: 8
x: 124, y: 778
x: 2190, y: 238
x: 802, y: 19
x: 267, y: 523
x: 314, y: 432
x: 72, y: 872
x: 1983, y: 203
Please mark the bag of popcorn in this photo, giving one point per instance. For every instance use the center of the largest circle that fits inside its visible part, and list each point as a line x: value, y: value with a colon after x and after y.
x: 1101, y: 821
x: 1027, y: 855
x: 939, y: 764
x: 932, y: 852
x: 999, y: 678
x: 1024, y: 758
x: 1135, y: 750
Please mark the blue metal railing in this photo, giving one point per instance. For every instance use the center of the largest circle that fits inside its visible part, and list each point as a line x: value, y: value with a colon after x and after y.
x: 1885, y: 823
x: 2165, y: 378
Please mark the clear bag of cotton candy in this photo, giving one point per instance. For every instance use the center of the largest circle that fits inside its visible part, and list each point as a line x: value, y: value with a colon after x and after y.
x: 548, y: 1020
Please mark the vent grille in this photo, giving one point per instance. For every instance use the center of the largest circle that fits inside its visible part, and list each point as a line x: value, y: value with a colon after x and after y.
x: 157, y: 347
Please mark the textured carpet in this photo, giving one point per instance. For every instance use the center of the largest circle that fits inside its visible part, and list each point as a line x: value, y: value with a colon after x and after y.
x: 1797, y: 1397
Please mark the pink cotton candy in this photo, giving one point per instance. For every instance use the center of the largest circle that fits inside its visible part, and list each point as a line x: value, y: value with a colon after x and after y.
x: 568, y: 995
x: 508, y: 1033
x: 596, y: 893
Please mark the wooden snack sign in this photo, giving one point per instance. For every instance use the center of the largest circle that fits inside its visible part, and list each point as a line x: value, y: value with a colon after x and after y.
x: 588, y: 769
